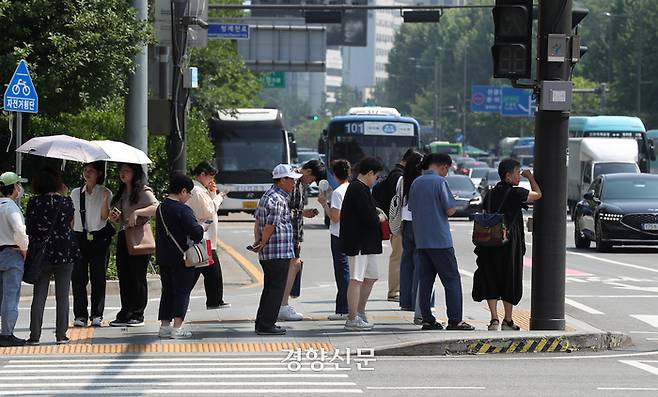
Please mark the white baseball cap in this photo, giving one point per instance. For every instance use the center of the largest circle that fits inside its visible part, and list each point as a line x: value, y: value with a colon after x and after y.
x: 285, y: 171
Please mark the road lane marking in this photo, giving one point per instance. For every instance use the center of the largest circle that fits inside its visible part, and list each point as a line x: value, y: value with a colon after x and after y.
x: 582, y: 307
x: 649, y: 319
x: 527, y: 262
x: 165, y: 383
x: 641, y: 365
x: 137, y: 370
x: 613, y: 262
x: 426, y: 388
x: 248, y: 267
x: 181, y: 391
x: 627, y: 388
x: 612, y: 296
x: 172, y: 376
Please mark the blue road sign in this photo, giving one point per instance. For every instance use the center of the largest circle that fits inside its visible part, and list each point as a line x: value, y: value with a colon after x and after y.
x: 517, y: 102
x: 228, y: 31
x: 486, y: 98
x: 21, y: 96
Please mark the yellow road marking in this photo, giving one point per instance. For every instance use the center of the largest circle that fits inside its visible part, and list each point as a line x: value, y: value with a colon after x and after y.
x: 484, y: 348
x: 541, y: 344
x: 527, y: 346
x: 554, y: 345
x: 512, y: 347
x: 167, y: 347
x: 253, y: 271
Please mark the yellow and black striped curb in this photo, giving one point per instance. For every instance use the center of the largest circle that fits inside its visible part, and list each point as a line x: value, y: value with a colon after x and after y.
x: 539, y: 345
x: 564, y: 343
x: 167, y: 347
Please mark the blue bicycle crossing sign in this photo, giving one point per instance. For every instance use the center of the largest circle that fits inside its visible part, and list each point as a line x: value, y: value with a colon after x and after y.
x: 21, y: 96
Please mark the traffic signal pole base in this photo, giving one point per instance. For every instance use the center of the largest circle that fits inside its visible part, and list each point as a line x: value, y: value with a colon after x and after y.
x: 547, y: 324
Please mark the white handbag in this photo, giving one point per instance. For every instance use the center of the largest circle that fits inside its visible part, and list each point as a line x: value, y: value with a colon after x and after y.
x: 196, y: 255
x: 395, y: 210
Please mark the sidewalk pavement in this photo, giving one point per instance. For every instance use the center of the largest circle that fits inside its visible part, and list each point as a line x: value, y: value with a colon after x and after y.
x: 232, y: 329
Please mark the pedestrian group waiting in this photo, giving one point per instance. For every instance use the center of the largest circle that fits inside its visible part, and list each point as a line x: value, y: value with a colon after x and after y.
x: 67, y: 237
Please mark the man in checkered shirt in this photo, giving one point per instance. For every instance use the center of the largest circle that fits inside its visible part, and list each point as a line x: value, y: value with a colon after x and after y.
x: 312, y: 171
x: 274, y: 242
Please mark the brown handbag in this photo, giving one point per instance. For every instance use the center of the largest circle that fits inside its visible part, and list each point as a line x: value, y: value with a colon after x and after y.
x: 140, y: 240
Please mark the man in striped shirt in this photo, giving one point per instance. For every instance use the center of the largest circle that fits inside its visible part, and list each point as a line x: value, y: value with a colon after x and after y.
x: 274, y: 242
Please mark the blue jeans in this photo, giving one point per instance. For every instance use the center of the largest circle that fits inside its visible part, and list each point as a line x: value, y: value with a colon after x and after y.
x: 409, y: 270
x: 342, y: 274
x: 11, y: 275
x: 443, y: 263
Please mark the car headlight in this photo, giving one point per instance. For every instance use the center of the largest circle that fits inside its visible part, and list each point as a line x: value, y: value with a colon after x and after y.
x: 476, y: 200
x: 611, y: 217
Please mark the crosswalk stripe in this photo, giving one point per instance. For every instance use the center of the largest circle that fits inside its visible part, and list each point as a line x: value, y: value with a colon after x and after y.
x: 178, y: 391
x: 649, y: 319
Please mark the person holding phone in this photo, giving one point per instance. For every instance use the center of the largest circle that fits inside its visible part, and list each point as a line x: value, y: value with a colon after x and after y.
x: 205, y: 201
x: 133, y: 201
x: 94, y: 234
x: 311, y: 171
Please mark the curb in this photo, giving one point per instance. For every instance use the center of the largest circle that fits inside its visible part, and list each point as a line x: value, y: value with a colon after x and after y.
x: 257, y: 276
x: 540, y: 343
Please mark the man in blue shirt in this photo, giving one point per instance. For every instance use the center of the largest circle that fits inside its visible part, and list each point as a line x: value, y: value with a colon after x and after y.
x: 431, y: 202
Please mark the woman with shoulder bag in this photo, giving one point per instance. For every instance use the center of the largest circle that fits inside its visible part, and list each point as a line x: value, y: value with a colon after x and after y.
x: 176, y: 225
x: 94, y: 233
x: 499, y: 274
x: 133, y: 206
x: 49, y: 217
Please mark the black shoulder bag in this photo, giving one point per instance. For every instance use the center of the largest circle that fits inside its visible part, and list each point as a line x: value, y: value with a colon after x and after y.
x: 37, y: 258
x: 106, y: 232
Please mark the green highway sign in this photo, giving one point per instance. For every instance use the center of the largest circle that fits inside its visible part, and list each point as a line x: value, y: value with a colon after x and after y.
x: 273, y: 80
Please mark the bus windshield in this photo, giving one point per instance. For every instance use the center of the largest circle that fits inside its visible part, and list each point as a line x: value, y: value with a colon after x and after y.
x: 354, y: 140
x: 248, y: 153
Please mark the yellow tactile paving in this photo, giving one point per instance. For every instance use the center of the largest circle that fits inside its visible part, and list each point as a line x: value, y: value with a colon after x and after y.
x: 167, y: 347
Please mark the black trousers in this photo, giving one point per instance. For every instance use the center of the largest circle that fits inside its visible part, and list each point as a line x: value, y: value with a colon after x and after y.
x: 275, y: 273
x: 132, y: 282
x: 213, y: 282
x: 177, y: 283
x: 90, y: 268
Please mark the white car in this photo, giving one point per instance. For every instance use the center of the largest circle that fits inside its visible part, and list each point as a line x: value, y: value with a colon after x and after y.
x: 476, y: 174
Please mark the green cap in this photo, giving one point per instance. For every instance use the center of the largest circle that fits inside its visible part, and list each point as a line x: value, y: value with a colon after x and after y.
x: 10, y: 178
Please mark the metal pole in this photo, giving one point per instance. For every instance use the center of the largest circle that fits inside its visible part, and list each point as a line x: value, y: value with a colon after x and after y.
x: 136, y: 106
x: 440, y: 99
x: 639, y: 78
x: 435, y: 118
x: 177, y: 138
x: 464, y: 104
x: 19, y: 142
x: 550, y: 220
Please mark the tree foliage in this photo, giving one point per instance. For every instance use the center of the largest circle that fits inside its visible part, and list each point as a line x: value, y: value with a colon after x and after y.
x: 79, y: 51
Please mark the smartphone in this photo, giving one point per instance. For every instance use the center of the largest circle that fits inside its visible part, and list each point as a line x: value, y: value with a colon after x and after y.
x: 251, y: 248
x: 316, y: 211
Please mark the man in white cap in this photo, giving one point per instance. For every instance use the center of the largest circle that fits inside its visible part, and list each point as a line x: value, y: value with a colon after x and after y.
x: 13, y: 248
x: 274, y: 242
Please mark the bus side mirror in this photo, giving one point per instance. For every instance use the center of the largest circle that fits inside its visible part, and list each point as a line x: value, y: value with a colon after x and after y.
x: 293, y: 146
x: 652, y: 150
x: 322, y: 143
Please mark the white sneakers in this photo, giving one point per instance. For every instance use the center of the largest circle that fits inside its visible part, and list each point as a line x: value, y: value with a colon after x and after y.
x: 357, y: 325
x: 174, y: 333
x: 288, y: 313
x: 338, y: 317
x: 96, y: 322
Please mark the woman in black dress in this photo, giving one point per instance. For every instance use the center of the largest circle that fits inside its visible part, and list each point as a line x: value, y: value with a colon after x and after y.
x: 499, y: 274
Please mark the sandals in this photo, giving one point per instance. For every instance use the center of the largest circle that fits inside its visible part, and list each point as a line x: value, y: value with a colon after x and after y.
x: 462, y: 326
x: 493, y: 325
x: 509, y: 326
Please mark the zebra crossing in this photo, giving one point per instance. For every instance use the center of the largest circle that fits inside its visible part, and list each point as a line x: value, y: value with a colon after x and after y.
x: 152, y: 375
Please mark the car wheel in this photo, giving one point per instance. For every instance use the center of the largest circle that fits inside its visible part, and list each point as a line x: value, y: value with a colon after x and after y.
x: 601, y: 246
x: 578, y: 238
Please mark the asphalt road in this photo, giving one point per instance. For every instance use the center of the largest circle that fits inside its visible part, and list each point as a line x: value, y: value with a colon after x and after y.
x: 615, y: 291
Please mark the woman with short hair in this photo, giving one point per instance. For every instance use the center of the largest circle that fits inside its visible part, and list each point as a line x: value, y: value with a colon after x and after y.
x: 176, y: 227
x: 499, y: 274
x: 49, y: 217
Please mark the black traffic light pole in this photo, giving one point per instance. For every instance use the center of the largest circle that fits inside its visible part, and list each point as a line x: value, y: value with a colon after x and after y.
x: 549, y: 217
x: 176, y: 145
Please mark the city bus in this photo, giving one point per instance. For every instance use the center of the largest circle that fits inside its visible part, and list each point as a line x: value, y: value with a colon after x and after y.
x: 455, y: 149
x: 616, y: 127
x: 249, y: 143
x: 369, y: 131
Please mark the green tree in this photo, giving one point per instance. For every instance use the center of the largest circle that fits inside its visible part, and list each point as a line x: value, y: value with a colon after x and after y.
x: 79, y: 51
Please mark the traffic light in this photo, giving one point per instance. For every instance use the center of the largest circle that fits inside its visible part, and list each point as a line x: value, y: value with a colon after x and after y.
x: 577, y: 49
x: 512, y: 49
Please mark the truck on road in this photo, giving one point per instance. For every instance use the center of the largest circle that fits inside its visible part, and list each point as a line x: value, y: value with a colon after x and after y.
x: 591, y: 157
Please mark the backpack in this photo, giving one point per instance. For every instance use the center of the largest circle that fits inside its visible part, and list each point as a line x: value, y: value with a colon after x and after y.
x: 489, y: 229
x: 395, y: 210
